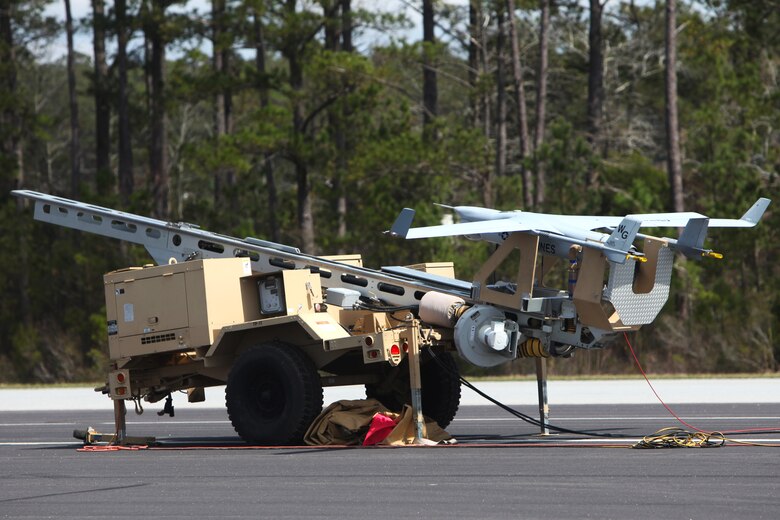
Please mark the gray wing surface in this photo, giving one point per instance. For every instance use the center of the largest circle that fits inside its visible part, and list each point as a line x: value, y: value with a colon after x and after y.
x: 647, y: 220
x: 749, y: 219
x: 507, y: 225
x: 559, y: 224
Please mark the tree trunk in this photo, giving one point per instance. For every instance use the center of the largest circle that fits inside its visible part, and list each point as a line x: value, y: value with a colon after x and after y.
x: 292, y: 52
x: 474, y: 38
x: 11, y: 159
x: 541, y: 100
x: 228, y: 97
x: 146, y: 16
x: 102, y: 103
x: 223, y: 43
x: 333, y: 35
x: 332, y: 24
x: 217, y: 20
x: 125, y: 148
x: 486, y: 100
x: 75, y: 145
x: 305, y: 215
x: 673, y: 161
x: 158, y: 146
x: 595, y: 85
x: 522, y: 116
x: 9, y: 120
x: 346, y: 26
x: 268, y: 165
x: 341, y: 139
x: 500, y: 168
x: 430, y: 89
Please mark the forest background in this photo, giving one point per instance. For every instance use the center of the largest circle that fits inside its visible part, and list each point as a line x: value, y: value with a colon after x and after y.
x: 312, y: 123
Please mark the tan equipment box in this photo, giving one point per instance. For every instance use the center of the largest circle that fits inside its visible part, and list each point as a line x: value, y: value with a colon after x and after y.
x: 177, y: 306
x: 438, y: 268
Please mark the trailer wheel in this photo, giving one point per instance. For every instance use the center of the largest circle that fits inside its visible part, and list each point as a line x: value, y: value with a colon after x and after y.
x: 440, y: 387
x: 273, y: 394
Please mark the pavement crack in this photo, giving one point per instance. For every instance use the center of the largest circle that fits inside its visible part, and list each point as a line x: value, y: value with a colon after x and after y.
x: 95, y: 490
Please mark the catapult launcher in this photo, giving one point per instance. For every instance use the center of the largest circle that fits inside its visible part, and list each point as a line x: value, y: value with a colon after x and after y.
x: 275, y: 325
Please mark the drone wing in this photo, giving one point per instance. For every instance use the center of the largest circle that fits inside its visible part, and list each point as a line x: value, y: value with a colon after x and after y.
x: 678, y: 220
x: 526, y: 222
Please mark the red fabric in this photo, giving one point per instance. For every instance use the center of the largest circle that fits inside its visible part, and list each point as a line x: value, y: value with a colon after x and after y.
x: 380, y: 427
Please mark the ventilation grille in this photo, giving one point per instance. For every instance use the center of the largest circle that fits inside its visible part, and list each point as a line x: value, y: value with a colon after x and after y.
x: 146, y: 340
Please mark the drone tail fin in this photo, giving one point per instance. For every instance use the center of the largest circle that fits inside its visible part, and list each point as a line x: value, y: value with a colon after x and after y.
x: 754, y: 214
x: 691, y: 241
x: 402, y: 223
x: 621, y: 240
x: 693, y: 235
x: 623, y: 235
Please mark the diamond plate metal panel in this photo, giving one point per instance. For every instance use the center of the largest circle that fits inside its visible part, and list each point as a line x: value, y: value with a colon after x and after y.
x: 639, y: 309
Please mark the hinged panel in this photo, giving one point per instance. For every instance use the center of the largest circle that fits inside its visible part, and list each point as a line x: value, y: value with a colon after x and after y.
x: 151, y: 305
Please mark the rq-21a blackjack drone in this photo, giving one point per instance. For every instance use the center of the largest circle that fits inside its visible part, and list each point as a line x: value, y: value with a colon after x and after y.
x: 554, y: 321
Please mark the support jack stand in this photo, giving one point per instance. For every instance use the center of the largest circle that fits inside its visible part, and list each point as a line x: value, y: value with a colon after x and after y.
x: 120, y: 438
x: 92, y: 437
x: 541, y: 386
x: 415, y: 381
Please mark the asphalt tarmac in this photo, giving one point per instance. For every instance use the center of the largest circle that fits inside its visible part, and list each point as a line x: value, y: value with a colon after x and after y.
x: 501, y: 468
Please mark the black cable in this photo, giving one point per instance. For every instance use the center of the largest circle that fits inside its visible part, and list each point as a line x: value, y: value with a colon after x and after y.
x: 379, y: 308
x: 400, y: 321
x: 537, y: 422
x: 520, y: 415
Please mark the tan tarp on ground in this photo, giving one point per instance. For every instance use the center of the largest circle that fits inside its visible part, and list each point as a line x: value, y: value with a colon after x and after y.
x: 346, y: 423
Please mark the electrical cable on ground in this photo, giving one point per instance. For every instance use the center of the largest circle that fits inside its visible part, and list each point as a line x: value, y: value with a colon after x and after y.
x: 642, y: 371
x: 679, y: 438
x: 111, y: 447
x: 676, y: 437
x: 664, y: 438
x: 520, y: 415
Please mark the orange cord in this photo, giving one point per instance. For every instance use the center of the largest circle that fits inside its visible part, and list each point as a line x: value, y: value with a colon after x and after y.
x: 111, y: 447
x: 641, y: 370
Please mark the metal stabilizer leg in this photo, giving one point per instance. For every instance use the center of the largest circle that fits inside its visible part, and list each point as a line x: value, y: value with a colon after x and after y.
x: 415, y: 381
x: 120, y: 438
x: 541, y: 386
x: 120, y: 423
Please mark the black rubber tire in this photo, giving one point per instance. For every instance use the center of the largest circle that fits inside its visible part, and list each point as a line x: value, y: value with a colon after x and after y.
x: 440, y: 387
x: 273, y: 394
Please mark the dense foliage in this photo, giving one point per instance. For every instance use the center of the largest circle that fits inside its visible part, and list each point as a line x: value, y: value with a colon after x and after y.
x: 306, y: 123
